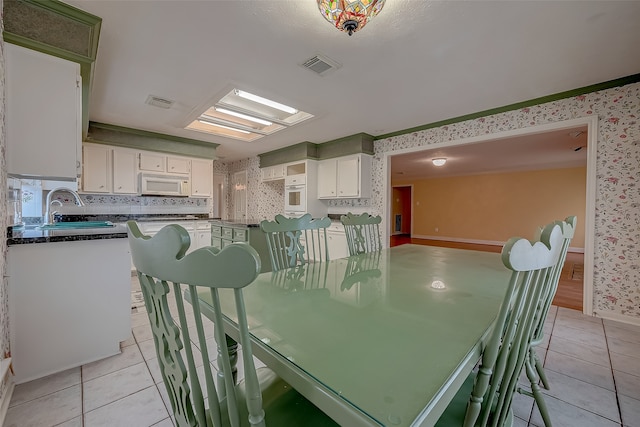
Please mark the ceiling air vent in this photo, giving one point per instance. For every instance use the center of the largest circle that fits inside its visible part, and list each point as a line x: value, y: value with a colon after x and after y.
x: 321, y: 65
x: 156, y: 101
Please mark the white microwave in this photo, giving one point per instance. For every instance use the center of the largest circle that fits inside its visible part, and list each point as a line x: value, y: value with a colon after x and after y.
x: 164, y: 185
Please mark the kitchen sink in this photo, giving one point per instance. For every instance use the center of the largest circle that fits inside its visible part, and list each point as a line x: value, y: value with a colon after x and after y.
x: 77, y: 224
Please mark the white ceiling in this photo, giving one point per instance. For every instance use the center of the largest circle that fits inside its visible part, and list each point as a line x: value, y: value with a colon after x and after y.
x: 416, y: 63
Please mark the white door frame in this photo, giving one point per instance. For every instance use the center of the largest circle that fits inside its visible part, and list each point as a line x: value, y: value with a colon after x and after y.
x: 590, y: 211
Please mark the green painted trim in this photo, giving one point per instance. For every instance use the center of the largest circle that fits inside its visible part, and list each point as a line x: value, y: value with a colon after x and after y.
x: 301, y: 151
x: 353, y: 144
x: 634, y: 78
x: 101, y: 133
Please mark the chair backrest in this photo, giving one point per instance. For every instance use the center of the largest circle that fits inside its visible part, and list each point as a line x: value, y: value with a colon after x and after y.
x: 363, y: 232
x: 568, y: 229
x: 295, y: 241
x: 164, y: 269
x: 508, y: 345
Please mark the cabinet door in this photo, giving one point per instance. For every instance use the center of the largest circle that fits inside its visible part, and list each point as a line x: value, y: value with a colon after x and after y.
x: 178, y: 165
x: 267, y: 173
x: 152, y: 162
x: 201, y: 178
x: 96, y: 166
x: 348, y: 177
x: 43, y: 114
x: 124, y: 172
x: 327, y: 179
x: 337, y: 242
x: 278, y: 172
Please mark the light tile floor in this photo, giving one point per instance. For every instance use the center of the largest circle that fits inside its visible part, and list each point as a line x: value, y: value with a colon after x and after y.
x: 593, y: 367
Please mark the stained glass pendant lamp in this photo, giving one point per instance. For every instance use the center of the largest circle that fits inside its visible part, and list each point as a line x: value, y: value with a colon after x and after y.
x: 349, y: 15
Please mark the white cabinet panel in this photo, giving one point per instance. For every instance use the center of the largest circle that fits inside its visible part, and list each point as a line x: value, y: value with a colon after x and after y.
x: 124, y: 171
x: 43, y: 115
x: 96, y: 175
x: 178, y: 165
x: 201, y: 178
x: 152, y: 162
x: 345, y: 177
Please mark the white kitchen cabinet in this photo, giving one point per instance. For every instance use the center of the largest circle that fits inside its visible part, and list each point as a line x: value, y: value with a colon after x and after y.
x: 345, y: 177
x: 152, y: 162
x: 61, y: 321
x: 178, y: 165
x: 124, y: 171
x: 96, y: 168
x: 203, y: 234
x: 43, y: 115
x: 201, y: 178
x: 273, y: 173
x: 337, y: 241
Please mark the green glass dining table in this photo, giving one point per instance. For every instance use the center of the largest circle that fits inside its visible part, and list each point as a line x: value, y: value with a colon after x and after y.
x: 384, y: 338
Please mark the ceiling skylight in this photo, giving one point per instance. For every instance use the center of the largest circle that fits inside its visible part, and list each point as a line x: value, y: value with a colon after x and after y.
x: 245, y: 116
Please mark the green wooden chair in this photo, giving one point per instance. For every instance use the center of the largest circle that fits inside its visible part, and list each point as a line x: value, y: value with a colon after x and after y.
x: 261, y: 398
x: 533, y: 365
x: 295, y: 241
x: 363, y: 232
x: 485, y: 397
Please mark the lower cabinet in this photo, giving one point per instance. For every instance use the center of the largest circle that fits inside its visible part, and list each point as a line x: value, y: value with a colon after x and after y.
x: 223, y: 234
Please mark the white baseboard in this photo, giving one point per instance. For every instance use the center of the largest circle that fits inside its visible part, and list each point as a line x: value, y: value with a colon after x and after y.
x: 476, y: 242
x: 617, y: 317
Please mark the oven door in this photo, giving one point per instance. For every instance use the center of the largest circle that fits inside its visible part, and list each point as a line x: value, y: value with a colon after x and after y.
x: 295, y: 199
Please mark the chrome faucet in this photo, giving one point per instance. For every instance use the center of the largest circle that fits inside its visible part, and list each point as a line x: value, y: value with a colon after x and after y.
x: 48, y: 216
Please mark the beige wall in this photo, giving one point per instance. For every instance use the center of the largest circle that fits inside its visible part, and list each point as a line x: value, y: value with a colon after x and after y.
x: 495, y: 207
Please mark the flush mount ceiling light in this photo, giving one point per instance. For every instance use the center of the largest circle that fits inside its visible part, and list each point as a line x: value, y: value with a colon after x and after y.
x: 439, y: 161
x: 349, y: 15
x: 245, y: 116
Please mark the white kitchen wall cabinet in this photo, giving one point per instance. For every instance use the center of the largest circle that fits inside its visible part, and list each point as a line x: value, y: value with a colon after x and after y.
x: 178, y: 165
x: 124, y: 171
x: 201, y: 178
x: 152, y: 162
x: 96, y: 168
x: 43, y: 115
x: 345, y: 177
x: 273, y: 173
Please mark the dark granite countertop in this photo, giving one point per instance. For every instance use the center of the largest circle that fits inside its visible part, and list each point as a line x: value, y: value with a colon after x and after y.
x: 32, y: 234
x: 136, y: 217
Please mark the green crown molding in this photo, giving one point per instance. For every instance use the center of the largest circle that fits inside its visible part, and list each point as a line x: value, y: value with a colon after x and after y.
x: 353, y: 144
x: 28, y: 23
x: 301, y: 151
x: 101, y: 133
x: 634, y: 78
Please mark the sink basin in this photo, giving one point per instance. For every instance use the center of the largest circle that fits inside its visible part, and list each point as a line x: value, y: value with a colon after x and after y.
x: 77, y: 224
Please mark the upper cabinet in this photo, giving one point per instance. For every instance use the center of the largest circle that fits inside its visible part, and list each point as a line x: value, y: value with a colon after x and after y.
x: 201, y: 178
x: 124, y: 171
x: 273, y: 173
x: 96, y: 165
x: 43, y: 115
x: 178, y: 165
x: 152, y: 162
x: 345, y: 177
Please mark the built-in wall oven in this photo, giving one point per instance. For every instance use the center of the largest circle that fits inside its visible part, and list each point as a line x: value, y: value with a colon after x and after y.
x: 295, y: 195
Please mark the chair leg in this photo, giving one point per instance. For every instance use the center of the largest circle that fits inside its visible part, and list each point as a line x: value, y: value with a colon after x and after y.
x: 540, y: 369
x: 531, y: 366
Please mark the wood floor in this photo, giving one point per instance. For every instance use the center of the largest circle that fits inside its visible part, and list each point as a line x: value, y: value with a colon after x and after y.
x: 570, y: 286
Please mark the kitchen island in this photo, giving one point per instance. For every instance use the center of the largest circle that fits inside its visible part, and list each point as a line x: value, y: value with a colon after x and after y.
x: 227, y: 231
x: 69, y: 297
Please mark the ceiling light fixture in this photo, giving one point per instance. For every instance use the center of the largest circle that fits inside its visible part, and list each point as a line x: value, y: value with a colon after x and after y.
x: 265, y: 101
x: 244, y: 116
x: 349, y: 15
x: 207, y: 122
x: 439, y: 161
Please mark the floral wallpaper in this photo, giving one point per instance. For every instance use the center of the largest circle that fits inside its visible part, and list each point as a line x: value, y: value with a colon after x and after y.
x: 4, y: 297
x: 617, y: 223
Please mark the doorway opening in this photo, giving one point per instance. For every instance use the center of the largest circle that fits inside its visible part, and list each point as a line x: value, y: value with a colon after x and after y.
x: 488, y: 150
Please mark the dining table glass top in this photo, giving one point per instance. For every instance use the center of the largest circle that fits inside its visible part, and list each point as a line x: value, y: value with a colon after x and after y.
x: 386, y: 333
